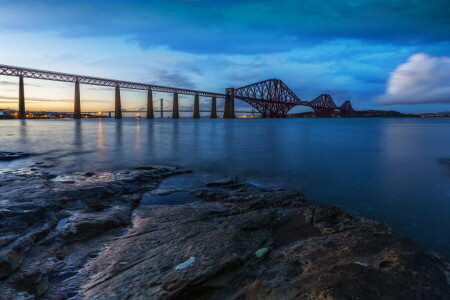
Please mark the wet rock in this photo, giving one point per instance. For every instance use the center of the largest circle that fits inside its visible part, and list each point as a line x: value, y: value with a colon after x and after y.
x: 92, y: 240
x: 261, y: 252
x: 11, y: 256
x: 163, y: 192
x: 64, y: 179
x: 33, y: 284
x: 56, y: 228
x: 12, y: 155
x: 229, y: 181
x: 317, y: 252
x: 84, y: 225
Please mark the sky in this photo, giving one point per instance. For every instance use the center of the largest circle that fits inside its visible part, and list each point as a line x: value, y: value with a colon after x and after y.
x: 379, y: 54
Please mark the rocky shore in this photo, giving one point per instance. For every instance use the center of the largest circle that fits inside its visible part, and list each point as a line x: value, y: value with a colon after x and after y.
x: 111, y: 235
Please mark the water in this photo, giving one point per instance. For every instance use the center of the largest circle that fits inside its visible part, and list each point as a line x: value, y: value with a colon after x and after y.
x: 175, y: 198
x: 392, y: 170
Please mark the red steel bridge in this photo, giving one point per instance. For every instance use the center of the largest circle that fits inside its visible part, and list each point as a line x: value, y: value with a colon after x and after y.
x: 271, y: 98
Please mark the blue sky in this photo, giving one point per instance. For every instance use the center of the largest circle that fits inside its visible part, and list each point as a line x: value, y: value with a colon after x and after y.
x: 379, y: 54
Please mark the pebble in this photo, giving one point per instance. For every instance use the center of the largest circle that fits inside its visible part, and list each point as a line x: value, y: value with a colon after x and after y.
x: 186, y: 263
x: 261, y: 252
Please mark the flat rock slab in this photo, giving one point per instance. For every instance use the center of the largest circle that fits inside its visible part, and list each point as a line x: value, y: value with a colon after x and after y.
x: 313, y: 252
x: 93, y: 239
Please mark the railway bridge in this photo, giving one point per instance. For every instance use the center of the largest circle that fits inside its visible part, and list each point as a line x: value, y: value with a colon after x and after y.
x: 271, y: 98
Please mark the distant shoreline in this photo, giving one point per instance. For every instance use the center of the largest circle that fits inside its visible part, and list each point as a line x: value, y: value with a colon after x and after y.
x: 7, y: 114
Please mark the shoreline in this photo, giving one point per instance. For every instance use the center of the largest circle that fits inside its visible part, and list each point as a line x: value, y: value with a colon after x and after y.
x: 91, y: 235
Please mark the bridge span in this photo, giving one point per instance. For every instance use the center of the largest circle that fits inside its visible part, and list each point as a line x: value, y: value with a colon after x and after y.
x: 271, y: 98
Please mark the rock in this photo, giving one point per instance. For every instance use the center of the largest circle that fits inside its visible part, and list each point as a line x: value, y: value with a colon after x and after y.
x: 64, y: 179
x: 84, y: 225
x: 11, y: 256
x: 314, y: 250
x: 229, y: 181
x: 33, y: 284
x: 12, y: 155
x: 186, y: 263
x: 261, y: 252
x: 92, y: 240
x: 163, y: 192
x: 54, y: 228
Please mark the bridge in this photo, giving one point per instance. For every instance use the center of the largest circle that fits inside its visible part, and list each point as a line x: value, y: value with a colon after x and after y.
x: 271, y: 98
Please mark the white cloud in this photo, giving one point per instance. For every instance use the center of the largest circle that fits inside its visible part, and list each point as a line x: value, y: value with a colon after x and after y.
x: 422, y: 79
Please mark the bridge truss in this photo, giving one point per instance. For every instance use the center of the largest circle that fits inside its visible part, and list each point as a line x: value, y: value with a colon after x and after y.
x: 65, y: 77
x: 273, y: 99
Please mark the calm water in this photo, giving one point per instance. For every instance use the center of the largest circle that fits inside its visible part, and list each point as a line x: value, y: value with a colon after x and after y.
x: 386, y: 169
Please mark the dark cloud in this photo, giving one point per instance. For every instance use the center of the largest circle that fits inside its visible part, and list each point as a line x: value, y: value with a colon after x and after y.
x: 173, y: 79
x: 246, y: 27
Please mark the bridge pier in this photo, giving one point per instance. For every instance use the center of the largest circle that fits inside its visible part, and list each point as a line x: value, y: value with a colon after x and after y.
x: 118, y: 106
x: 22, y: 114
x: 150, y: 104
x: 175, y: 113
x: 196, y: 107
x: 213, y: 108
x: 161, y: 108
x: 229, y: 104
x: 77, y: 104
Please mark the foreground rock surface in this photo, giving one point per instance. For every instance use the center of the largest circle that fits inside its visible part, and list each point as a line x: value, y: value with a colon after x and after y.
x: 86, y: 236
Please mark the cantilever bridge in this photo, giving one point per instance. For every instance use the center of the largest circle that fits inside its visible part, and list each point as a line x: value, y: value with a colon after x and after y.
x: 272, y: 98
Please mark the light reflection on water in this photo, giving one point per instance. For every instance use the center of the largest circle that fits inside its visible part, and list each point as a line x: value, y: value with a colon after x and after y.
x: 386, y: 169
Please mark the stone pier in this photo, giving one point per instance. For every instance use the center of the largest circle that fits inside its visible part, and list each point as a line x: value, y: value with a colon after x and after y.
x: 213, y: 108
x: 175, y: 113
x: 118, y: 106
x: 150, y: 104
x: 77, y: 103
x: 22, y: 114
x: 196, y: 107
x: 229, y: 104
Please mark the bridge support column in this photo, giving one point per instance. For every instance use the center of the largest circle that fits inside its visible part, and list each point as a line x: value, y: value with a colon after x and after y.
x: 175, y: 113
x: 77, y: 103
x: 197, y: 107
x: 213, y: 108
x: 150, y: 104
x: 162, y: 109
x: 226, y: 107
x: 232, y: 114
x: 22, y: 114
x: 118, y: 106
x: 229, y: 104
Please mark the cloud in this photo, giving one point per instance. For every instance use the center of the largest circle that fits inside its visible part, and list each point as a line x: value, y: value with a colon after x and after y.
x: 244, y: 27
x: 173, y: 79
x: 34, y: 99
x: 16, y: 83
x: 422, y: 79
